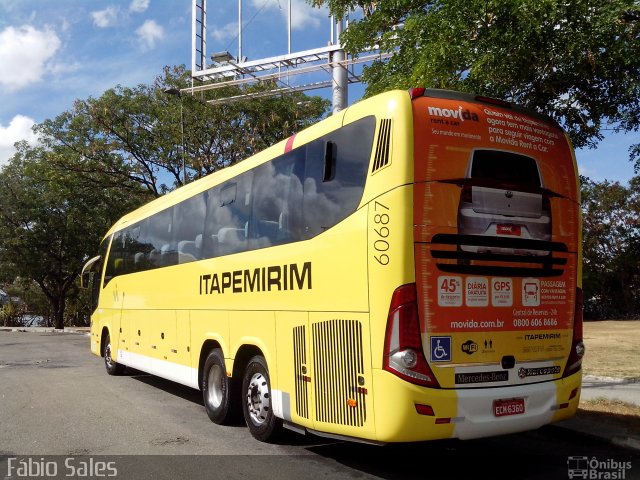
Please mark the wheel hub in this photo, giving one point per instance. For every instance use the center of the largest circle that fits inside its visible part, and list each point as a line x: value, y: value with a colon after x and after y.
x: 215, y: 382
x: 258, y: 399
x: 107, y: 355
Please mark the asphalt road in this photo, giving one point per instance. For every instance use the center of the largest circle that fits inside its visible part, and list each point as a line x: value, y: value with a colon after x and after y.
x: 58, y: 405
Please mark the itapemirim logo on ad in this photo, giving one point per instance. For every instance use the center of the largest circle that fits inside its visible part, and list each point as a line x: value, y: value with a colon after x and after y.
x: 597, y: 469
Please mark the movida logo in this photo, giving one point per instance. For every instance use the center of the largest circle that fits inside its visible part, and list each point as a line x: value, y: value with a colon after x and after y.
x: 459, y: 114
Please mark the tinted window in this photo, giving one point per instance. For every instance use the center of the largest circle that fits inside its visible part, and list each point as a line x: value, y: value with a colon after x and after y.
x: 228, y: 216
x: 159, y: 236
x: 277, y: 201
x: 293, y: 197
x: 115, y: 264
x: 138, y: 247
x: 189, y: 218
x: 336, y: 170
x: 493, y: 165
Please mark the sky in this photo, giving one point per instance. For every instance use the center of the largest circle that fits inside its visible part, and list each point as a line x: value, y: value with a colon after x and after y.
x: 53, y: 52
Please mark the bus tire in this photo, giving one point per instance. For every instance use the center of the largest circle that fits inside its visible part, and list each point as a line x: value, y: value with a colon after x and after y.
x: 220, y: 402
x: 113, y: 368
x: 257, y: 403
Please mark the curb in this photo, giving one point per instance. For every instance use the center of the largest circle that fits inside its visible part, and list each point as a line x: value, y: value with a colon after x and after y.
x: 72, y: 330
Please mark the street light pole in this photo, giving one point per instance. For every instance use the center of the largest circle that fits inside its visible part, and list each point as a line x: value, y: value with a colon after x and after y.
x: 176, y: 92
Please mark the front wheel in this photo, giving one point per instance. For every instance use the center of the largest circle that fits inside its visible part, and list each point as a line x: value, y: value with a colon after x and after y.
x: 257, y: 405
x: 113, y: 368
x: 218, y: 394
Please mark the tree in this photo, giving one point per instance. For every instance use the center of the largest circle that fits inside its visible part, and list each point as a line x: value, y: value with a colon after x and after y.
x: 107, y: 155
x: 143, y: 134
x: 50, y: 222
x: 575, y: 60
x: 611, y: 248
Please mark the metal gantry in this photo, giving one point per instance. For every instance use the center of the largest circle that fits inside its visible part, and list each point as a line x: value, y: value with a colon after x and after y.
x: 281, y: 70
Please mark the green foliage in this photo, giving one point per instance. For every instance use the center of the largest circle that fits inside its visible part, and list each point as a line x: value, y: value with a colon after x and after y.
x: 144, y: 134
x: 611, y: 249
x: 576, y: 61
x: 34, y: 305
x: 108, y: 155
x: 50, y: 221
x: 12, y: 315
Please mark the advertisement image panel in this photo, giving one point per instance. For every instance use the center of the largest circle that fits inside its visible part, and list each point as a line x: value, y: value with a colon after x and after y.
x: 496, y: 229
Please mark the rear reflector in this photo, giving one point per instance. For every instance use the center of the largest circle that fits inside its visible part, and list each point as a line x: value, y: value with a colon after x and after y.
x: 424, y: 410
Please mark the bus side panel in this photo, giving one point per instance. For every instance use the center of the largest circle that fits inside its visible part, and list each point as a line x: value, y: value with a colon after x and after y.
x: 340, y: 374
x: 209, y: 325
x: 392, y: 155
x: 111, y: 316
x: 292, y: 387
x: 257, y: 328
x: 390, y: 258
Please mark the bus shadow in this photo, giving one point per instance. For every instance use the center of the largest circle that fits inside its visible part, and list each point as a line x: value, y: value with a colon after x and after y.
x: 539, y: 454
x: 175, y: 389
x: 400, y: 461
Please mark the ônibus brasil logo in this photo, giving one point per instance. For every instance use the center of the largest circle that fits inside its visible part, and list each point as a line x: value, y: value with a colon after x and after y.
x: 459, y: 114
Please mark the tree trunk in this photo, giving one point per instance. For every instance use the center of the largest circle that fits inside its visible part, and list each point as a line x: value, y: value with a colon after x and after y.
x: 57, y: 306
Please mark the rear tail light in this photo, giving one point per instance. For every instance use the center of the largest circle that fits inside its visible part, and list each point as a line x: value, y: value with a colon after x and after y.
x: 577, y: 346
x: 403, y: 353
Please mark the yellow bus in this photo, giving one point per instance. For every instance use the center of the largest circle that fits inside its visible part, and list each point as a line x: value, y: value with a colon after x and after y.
x: 407, y: 269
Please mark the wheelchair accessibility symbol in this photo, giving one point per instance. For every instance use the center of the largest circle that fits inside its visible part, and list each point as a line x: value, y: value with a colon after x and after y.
x: 440, y: 349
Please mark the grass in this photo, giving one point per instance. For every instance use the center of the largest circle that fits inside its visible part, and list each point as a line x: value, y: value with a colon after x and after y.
x: 612, y: 349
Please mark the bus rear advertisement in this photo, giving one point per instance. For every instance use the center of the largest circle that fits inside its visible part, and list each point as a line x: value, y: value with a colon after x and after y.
x: 407, y: 269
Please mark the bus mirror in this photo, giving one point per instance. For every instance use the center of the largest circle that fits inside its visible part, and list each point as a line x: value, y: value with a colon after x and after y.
x: 85, y: 279
x: 90, y: 267
x: 330, y: 153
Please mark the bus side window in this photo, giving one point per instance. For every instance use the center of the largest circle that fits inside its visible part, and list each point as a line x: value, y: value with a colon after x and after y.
x: 132, y: 245
x: 163, y: 254
x: 229, y: 214
x: 189, y: 217
x: 336, y: 171
x: 209, y: 241
x: 115, y: 259
x: 277, y: 206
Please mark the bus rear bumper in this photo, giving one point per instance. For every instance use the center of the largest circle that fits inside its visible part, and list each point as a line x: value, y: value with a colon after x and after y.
x: 467, y: 413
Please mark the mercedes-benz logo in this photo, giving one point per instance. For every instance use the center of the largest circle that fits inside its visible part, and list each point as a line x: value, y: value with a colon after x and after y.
x: 508, y: 194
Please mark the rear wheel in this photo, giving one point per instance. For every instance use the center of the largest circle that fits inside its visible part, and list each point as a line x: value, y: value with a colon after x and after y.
x: 257, y: 405
x: 113, y: 368
x: 220, y: 399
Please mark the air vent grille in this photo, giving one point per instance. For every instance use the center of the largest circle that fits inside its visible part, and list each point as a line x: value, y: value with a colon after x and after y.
x: 383, y: 147
x: 300, y: 362
x: 338, y: 372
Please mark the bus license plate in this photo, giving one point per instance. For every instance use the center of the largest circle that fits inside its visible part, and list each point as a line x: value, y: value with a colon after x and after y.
x: 511, y: 406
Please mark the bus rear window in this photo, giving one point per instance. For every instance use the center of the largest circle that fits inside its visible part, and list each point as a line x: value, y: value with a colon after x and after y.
x: 504, y: 167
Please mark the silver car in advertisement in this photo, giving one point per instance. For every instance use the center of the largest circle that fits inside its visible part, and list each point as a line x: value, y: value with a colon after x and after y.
x: 503, y: 196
